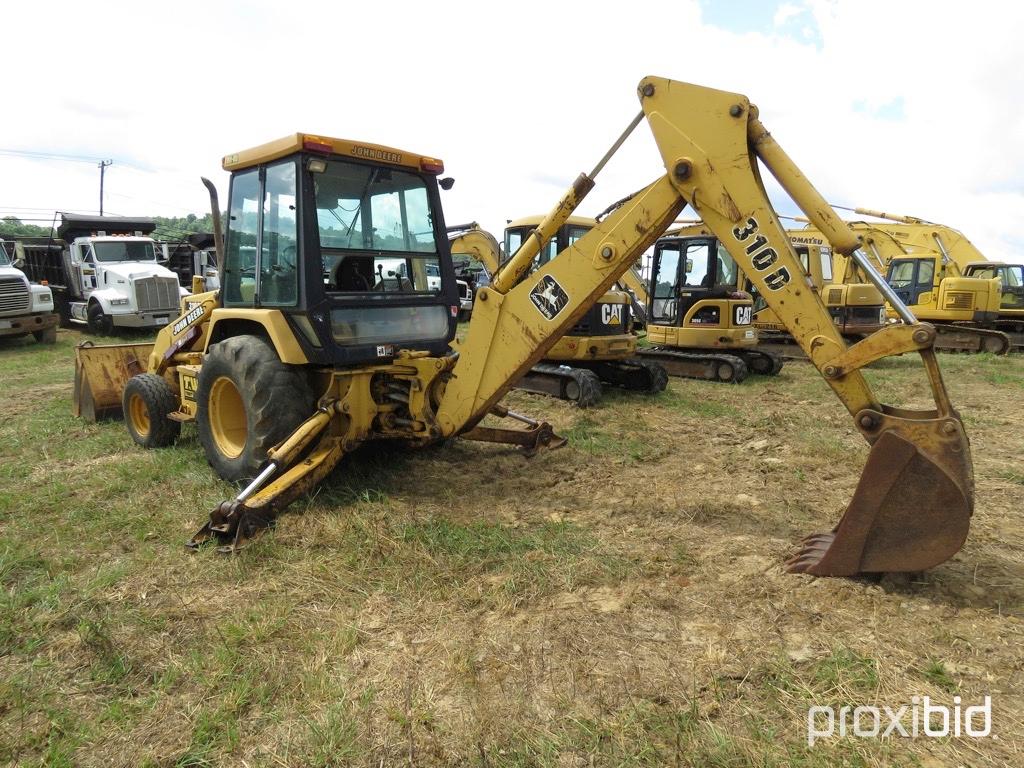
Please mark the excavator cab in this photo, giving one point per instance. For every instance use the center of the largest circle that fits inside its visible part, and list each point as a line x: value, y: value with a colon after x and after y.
x: 694, y: 283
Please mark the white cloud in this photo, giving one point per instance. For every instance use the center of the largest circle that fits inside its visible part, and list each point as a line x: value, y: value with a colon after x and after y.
x: 517, y: 102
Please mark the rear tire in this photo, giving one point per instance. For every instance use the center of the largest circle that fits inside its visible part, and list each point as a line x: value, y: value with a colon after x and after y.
x: 147, y: 401
x: 247, y: 402
x: 47, y: 335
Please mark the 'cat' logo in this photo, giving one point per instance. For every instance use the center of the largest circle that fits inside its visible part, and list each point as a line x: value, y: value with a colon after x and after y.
x: 611, y: 314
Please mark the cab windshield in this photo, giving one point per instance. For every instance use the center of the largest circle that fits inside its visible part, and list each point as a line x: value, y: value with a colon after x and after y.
x: 5, y: 260
x: 124, y: 251
x: 376, y: 230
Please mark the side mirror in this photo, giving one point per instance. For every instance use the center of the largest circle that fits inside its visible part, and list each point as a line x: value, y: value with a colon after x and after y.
x: 18, y: 263
x: 446, y: 183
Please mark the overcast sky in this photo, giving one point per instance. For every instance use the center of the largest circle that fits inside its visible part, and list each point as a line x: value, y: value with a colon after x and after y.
x: 910, y: 107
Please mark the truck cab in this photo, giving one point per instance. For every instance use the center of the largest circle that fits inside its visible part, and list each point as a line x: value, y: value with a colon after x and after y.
x: 24, y: 308
x: 105, y: 273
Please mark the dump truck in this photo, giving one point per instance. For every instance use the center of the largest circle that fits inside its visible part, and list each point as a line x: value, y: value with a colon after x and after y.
x: 282, y: 374
x: 104, y: 273
x: 24, y: 307
x: 191, y: 257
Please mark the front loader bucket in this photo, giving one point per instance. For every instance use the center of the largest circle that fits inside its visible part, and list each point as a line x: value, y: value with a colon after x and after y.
x: 101, y: 373
x: 912, y: 506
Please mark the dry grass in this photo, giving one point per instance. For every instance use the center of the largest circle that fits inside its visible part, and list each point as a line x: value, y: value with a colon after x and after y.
x: 619, y: 602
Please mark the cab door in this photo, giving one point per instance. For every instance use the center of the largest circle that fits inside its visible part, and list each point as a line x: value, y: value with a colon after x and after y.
x: 912, y: 280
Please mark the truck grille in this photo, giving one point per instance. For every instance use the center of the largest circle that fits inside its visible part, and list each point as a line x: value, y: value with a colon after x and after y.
x: 13, y: 295
x: 959, y: 300
x: 156, y: 293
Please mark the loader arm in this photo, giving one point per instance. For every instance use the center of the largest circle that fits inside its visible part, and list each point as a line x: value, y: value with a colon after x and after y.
x: 912, y: 507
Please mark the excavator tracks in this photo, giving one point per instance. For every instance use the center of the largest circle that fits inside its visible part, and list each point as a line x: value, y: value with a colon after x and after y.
x: 709, y: 366
x: 632, y: 374
x: 580, y: 386
x: 966, y: 338
x: 762, y: 362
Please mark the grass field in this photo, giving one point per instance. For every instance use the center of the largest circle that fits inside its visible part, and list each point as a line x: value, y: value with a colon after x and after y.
x: 620, y: 602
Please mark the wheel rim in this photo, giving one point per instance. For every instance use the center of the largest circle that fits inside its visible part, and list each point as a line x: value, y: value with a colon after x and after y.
x: 139, y: 415
x: 725, y: 372
x: 572, y: 390
x: 228, y: 424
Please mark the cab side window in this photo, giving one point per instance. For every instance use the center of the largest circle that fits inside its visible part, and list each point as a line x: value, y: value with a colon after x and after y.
x: 243, y: 228
x: 279, y: 241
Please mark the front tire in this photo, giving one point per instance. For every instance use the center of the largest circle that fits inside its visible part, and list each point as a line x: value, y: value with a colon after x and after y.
x: 47, y: 335
x: 147, y: 401
x: 247, y: 402
x: 99, y: 322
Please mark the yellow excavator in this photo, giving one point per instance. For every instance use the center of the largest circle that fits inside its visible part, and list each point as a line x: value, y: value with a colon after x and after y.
x: 999, y: 309
x: 328, y: 329
x: 924, y: 263
x: 600, y: 349
x: 698, y: 319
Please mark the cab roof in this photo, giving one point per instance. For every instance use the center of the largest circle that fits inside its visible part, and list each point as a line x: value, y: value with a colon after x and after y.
x: 325, y: 145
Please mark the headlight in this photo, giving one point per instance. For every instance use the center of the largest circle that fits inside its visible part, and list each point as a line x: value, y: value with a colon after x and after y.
x: 44, y: 298
x: 118, y: 302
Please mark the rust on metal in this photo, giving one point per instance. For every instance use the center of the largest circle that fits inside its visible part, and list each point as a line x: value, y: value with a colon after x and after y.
x: 101, y: 373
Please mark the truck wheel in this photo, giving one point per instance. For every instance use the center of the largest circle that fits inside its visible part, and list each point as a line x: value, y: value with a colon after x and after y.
x: 99, y: 322
x: 47, y: 335
x: 247, y: 402
x: 147, y: 401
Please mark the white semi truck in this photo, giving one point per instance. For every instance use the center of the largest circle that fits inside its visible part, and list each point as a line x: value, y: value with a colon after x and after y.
x: 24, y: 308
x: 104, y: 272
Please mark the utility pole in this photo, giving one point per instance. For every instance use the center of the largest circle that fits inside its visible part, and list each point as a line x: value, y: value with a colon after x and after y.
x: 102, y: 166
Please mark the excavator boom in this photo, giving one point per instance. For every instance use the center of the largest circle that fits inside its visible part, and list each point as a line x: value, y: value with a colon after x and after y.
x: 915, y: 498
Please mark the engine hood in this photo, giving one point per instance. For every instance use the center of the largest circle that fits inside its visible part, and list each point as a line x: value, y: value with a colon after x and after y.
x: 133, y: 270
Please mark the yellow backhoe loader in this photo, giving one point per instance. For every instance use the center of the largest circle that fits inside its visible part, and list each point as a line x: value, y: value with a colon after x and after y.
x: 600, y: 349
x: 924, y: 265
x: 319, y: 339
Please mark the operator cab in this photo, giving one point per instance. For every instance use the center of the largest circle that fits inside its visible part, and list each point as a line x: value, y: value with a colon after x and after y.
x: 686, y: 271
x: 519, y: 230
x: 911, y: 278
x: 610, y: 315
x: 1010, y: 275
x: 347, y: 240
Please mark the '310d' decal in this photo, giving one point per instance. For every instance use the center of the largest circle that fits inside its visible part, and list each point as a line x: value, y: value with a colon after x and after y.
x: 762, y: 256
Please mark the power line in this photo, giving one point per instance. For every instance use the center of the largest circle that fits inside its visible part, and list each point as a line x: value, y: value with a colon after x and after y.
x: 50, y: 156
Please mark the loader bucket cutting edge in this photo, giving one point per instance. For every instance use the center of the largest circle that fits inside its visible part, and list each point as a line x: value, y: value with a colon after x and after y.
x: 910, y: 512
x: 101, y: 373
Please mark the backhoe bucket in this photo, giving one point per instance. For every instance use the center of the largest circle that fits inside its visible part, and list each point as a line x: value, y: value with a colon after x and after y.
x: 101, y: 373
x: 912, y: 506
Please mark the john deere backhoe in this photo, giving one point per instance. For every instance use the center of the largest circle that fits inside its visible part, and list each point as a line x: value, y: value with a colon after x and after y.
x: 318, y: 340
x: 599, y: 349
